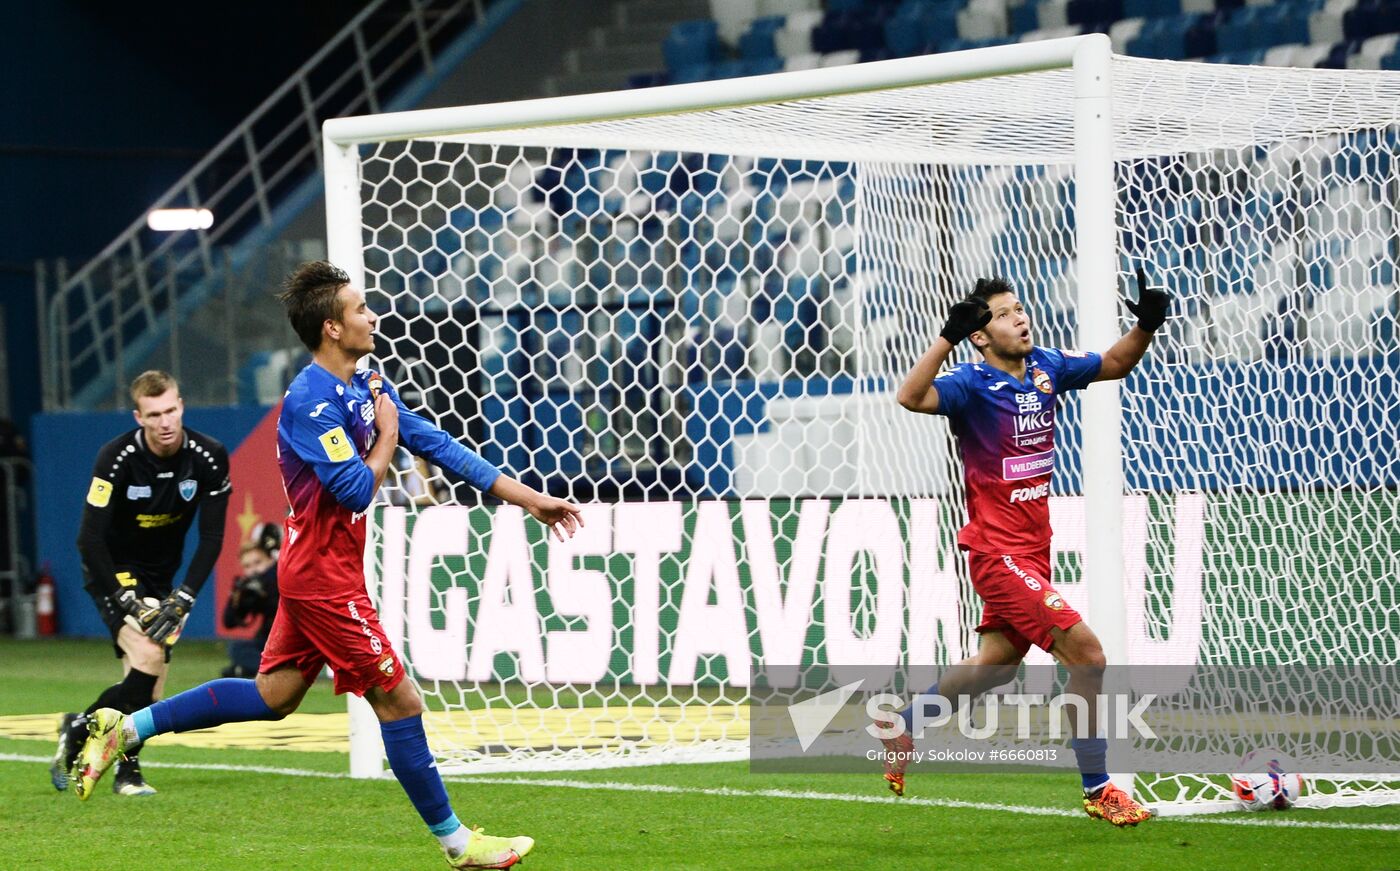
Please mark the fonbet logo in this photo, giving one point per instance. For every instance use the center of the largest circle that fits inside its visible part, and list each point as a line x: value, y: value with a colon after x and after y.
x: 811, y: 717
x: 1026, y: 494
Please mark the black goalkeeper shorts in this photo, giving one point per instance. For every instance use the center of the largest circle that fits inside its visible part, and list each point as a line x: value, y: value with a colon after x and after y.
x: 115, y: 617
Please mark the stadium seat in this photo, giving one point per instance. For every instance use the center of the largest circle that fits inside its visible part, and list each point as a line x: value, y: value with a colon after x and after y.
x: 787, y: 7
x: 1369, y: 20
x: 1124, y: 32
x: 918, y: 24
x: 795, y: 37
x: 1265, y: 26
x: 733, y: 17
x: 1301, y: 56
x: 1151, y: 9
x: 1051, y: 33
x: 1093, y: 11
x: 1325, y: 25
x: 692, y: 73
x: 1372, y: 50
x: 757, y: 41
x: 1023, y: 18
x: 1052, y: 13
x: 1164, y: 38
x: 860, y: 29
x: 840, y: 58
x: 982, y: 19
x: 808, y: 61
x: 691, y: 43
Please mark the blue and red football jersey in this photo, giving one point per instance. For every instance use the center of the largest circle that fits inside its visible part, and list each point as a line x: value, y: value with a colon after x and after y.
x: 323, y: 434
x: 1006, y: 434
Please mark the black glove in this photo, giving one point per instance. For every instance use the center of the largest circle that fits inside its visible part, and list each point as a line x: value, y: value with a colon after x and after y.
x: 1152, y: 304
x: 966, y: 317
x: 249, y: 595
x: 138, y: 614
x: 172, y: 615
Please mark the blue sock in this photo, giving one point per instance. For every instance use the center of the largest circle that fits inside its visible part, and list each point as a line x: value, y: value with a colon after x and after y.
x: 930, y: 710
x: 1090, y: 753
x: 226, y: 700
x: 406, y: 745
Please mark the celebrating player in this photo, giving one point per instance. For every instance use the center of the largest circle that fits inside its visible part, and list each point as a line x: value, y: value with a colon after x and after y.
x: 336, y: 437
x: 147, y: 486
x: 1002, y: 411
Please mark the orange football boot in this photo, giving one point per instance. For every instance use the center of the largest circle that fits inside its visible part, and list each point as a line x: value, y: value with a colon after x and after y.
x: 1116, y: 806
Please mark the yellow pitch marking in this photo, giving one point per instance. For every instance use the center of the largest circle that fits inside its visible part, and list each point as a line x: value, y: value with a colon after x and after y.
x: 489, y: 731
x: 318, y: 732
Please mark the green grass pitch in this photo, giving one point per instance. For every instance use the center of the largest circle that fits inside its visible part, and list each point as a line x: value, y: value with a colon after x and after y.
x: 299, y: 811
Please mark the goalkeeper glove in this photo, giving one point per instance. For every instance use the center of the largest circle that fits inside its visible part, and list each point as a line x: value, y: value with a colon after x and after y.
x: 1151, y: 307
x: 138, y: 612
x: 966, y: 317
x: 172, y: 616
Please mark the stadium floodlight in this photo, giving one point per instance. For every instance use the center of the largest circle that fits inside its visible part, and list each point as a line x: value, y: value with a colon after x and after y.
x: 172, y: 220
x: 695, y: 302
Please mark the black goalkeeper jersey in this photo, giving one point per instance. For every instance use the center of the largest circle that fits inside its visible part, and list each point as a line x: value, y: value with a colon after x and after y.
x: 139, y: 507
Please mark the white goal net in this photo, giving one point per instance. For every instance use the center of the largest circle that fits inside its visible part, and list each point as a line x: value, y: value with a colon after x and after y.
x: 693, y: 320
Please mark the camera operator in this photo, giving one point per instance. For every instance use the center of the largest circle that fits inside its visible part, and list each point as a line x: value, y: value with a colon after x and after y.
x: 254, y: 596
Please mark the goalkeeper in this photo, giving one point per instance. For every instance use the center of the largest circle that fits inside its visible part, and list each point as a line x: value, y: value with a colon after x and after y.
x: 1002, y: 410
x: 147, y: 487
x: 336, y: 437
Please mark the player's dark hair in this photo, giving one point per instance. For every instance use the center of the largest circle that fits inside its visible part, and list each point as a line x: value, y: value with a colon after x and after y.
x: 989, y: 287
x: 309, y: 295
x: 152, y: 382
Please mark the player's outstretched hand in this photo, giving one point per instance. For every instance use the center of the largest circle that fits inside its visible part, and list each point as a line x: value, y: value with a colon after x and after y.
x: 560, y: 515
x: 172, y: 615
x: 1151, y: 307
x: 966, y: 317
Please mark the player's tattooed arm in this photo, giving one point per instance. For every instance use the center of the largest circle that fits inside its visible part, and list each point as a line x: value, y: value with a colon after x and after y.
x: 1151, y: 311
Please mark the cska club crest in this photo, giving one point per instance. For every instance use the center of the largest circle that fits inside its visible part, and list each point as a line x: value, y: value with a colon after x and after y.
x: 1040, y: 379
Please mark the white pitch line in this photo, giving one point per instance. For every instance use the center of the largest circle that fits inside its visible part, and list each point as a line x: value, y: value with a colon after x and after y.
x: 729, y: 792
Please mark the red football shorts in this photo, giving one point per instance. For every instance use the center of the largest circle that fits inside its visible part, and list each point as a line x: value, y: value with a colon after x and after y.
x: 1017, y: 598
x: 344, y: 634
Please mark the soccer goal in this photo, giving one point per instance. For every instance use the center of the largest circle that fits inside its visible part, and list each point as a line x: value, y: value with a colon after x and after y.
x: 688, y: 307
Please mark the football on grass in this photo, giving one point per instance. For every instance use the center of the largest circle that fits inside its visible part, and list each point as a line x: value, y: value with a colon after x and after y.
x: 1268, y: 781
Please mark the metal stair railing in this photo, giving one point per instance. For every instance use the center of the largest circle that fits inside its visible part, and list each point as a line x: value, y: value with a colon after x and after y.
x: 95, y: 321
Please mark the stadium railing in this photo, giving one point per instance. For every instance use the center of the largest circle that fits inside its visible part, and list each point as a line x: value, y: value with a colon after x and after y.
x: 98, y: 321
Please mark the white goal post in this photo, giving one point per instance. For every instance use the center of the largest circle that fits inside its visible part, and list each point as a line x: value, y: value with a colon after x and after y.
x: 689, y: 306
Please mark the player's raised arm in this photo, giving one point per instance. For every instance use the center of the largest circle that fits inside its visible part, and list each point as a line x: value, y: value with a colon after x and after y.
x: 1151, y: 310
x: 966, y: 317
x: 424, y: 439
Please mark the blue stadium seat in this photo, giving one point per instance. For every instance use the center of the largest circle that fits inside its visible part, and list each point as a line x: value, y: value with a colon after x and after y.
x: 648, y: 80
x: 691, y: 43
x: 692, y: 73
x: 861, y: 29
x: 728, y: 69
x: 1151, y: 8
x: 757, y: 41
x: 1023, y: 18
x: 1165, y: 38
x: 1371, y: 19
x: 1250, y: 57
x: 1093, y: 11
x: 762, y: 66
